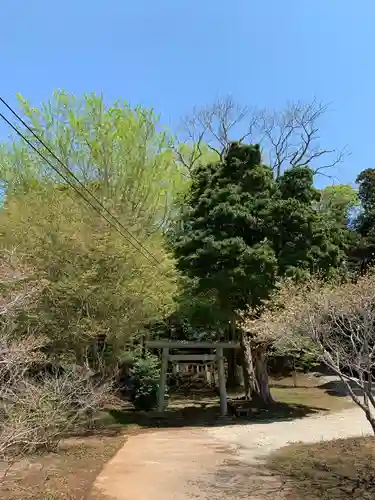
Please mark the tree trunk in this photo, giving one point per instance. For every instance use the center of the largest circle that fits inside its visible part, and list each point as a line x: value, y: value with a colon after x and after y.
x: 261, y: 374
x: 370, y: 418
x: 233, y: 378
x: 250, y: 383
x: 294, y: 372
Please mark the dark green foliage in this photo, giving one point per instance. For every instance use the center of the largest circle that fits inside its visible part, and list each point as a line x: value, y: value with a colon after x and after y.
x: 242, y: 228
x: 145, y: 381
x: 198, y: 315
x: 292, y: 361
x: 304, y: 241
x: 362, y: 250
x: 366, y: 191
x: 223, y: 241
x: 297, y: 183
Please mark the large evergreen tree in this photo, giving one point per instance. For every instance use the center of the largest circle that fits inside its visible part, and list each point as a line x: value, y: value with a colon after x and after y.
x: 222, y: 242
x: 242, y: 229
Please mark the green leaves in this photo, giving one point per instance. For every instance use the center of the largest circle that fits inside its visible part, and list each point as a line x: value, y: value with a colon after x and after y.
x: 242, y: 228
x: 222, y: 243
x: 119, y: 147
x: 362, y: 249
x: 97, y: 282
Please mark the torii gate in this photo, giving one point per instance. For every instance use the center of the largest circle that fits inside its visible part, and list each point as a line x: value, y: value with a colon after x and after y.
x: 166, y: 345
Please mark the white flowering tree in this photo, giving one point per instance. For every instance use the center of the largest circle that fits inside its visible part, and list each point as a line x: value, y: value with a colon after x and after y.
x: 335, y: 322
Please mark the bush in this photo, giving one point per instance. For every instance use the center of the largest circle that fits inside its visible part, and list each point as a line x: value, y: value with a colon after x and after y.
x: 286, y: 364
x: 38, y: 406
x: 145, y: 379
x: 37, y: 412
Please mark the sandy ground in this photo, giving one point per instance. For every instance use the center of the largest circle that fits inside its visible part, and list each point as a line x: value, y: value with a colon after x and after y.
x: 214, y: 462
x: 256, y: 441
x: 173, y: 464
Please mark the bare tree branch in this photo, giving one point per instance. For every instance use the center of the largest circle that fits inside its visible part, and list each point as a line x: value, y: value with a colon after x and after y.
x: 292, y: 137
x: 289, y: 137
x: 36, y: 411
x: 333, y: 323
x: 215, y: 126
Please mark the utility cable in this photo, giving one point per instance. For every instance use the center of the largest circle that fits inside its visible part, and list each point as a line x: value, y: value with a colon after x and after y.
x: 139, y: 248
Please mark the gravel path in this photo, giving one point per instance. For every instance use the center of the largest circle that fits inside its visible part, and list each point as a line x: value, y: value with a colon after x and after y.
x: 258, y: 440
x: 214, y: 463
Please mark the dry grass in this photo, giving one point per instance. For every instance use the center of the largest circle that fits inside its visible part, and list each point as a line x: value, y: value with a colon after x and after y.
x: 334, y: 470
x: 65, y: 475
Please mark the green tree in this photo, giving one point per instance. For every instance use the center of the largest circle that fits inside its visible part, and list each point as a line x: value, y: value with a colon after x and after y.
x: 123, y: 150
x: 304, y: 240
x: 220, y: 243
x: 362, y: 250
x: 242, y: 229
x: 338, y: 203
x: 97, y: 284
x: 214, y: 245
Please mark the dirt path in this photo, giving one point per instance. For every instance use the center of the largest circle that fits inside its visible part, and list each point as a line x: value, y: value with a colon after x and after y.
x: 256, y: 441
x: 213, y: 463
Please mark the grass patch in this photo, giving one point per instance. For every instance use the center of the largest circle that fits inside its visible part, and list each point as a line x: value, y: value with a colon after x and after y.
x: 334, y: 470
x: 66, y: 475
x: 310, y: 396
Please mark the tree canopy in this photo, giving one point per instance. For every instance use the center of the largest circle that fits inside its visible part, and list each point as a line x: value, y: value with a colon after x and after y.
x: 97, y: 283
x: 235, y: 224
x: 362, y: 248
x: 242, y: 228
x: 122, y: 151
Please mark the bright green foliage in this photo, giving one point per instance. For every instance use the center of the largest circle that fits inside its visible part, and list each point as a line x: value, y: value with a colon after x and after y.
x: 193, y: 155
x: 338, y: 205
x: 96, y: 282
x: 242, y: 229
x: 337, y: 202
x: 123, y: 149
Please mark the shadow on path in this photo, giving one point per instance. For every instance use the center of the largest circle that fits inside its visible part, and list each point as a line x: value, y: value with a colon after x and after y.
x: 197, y: 416
x: 182, y: 464
x: 336, y: 387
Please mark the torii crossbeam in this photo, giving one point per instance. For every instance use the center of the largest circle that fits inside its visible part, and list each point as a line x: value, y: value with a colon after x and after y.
x: 167, y: 345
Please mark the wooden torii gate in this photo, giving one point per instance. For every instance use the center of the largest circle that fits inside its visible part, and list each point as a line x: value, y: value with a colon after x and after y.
x: 167, y: 345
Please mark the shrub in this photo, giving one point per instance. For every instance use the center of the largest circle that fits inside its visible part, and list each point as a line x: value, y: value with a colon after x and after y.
x: 334, y: 323
x: 145, y: 378
x: 38, y: 407
x: 287, y: 363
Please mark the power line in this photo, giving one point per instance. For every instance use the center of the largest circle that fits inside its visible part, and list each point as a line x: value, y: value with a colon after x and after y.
x: 141, y: 247
x: 66, y: 179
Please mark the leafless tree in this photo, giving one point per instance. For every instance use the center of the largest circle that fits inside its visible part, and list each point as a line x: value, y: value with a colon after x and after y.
x: 213, y: 127
x: 288, y: 137
x: 291, y: 137
x: 37, y: 414
x: 336, y: 325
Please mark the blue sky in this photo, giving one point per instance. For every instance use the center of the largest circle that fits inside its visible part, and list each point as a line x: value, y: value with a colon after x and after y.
x: 174, y: 55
